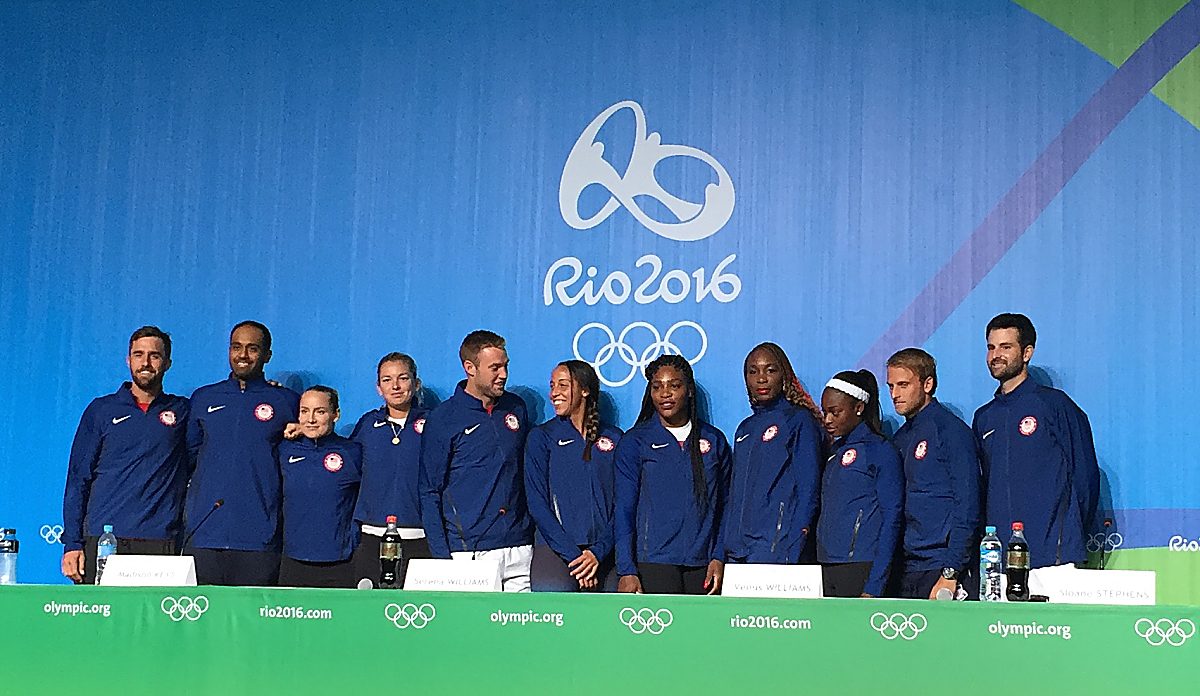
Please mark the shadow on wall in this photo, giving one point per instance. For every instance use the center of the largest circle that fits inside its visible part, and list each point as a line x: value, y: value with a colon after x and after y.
x: 535, y: 404
x: 609, y: 413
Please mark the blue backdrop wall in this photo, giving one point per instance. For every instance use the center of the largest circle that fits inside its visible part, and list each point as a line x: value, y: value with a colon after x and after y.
x: 598, y: 179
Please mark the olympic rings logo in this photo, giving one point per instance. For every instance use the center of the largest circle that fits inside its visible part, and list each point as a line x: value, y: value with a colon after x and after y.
x: 1108, y: 543
x: 898, y: 625
x: 51, y: 534
x: 184, y: 607
x: 404, y: 616
x: 618, y: 347
x: 646, y: 620
x: 1173, y: 633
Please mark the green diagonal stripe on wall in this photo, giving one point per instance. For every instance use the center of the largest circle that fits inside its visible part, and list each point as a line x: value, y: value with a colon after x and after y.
x: 1114, y: 29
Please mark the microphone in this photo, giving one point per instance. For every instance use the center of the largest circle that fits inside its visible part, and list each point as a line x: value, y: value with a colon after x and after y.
x: 1104, y: 539
x: 365, y: 584
x: 216, y: 506
x: 503, y: 512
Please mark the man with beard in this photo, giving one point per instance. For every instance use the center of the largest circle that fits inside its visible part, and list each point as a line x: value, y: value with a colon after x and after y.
x: 235, y: 427
x: 128, y: 464
x: 1039, y: 462
x: 472, y: 487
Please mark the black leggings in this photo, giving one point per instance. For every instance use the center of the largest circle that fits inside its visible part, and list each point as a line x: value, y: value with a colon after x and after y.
x: 666, y: 578
x: 294, y: 573
x: 845, y: 579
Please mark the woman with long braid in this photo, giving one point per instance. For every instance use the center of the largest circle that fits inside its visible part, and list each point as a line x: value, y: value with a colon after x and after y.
x: 862, y: 490
x: 776, y: 464
x: 672, y: 478
x: 569, y: 486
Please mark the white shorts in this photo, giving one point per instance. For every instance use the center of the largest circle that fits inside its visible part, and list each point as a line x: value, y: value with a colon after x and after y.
x: 514, y: 564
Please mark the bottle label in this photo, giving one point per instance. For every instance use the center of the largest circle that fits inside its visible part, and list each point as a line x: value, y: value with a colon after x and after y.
x: 991, y: 556
x: 389, y: 550
x: 1018, y: 559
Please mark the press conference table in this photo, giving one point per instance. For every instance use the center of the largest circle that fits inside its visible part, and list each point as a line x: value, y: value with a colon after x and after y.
x: 217, y: 640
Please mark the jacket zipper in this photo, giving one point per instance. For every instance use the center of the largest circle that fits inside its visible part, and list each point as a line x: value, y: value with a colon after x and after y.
x: 854, y: 536
x: 554, y: 499
x: 462, y: 535
x: 778, y: 528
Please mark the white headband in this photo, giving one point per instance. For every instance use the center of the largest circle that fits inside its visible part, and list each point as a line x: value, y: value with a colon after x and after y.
x: 851, y: 389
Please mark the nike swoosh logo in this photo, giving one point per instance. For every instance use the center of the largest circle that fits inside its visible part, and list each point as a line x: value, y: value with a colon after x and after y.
x: 564, y: 443
x: 293, y: 460
x: 122, y: 418
x: 471, y: 429
x: 379, y: 424
x: 742, y: 437
x: 215, y: 408
x: 985, y: 435
x: 660, y: 446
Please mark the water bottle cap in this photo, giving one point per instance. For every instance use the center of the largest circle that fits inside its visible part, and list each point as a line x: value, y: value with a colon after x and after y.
x: 391, y: 519
x: 108, y: 529
x: 990, y: 529
x: 1018, y: 526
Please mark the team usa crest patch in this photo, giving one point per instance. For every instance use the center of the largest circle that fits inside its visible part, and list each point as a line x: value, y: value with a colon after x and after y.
x: 849, y: 456
x: 167, y: 418
x: 419, y: 426
x: 705, y: 446
x: 511, y: 422
x: 333, y: 462
x: 770, y: 433
x: 604, y: 444
x: 922, y: 449
x: 264, y: 412
x: 1028, y: 426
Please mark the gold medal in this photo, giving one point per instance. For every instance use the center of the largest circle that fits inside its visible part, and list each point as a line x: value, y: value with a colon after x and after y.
x: 395, y: 440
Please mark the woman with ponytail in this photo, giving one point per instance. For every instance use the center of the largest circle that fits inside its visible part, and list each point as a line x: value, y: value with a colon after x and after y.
x: 672, y: 477
x: 569, y: 486
x: 862, y: 490
x: 776, y: 464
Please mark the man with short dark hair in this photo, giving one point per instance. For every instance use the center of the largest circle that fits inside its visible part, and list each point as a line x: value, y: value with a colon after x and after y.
x: 128, y: 465
x: 1039, y: 461
x: 235, y: 427
x: 941, y: 480
x: 472, y: 494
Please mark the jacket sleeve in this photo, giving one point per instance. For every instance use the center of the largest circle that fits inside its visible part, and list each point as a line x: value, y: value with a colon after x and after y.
x: 628, y: 479
x: 435, y: 467
x: 195, y: 435
x: 724, y: 479
x: 806, y: 472
x: 81, y: 470
x: 1085, y: 470
x: 604, y: 544
x: 889, y: 491
x: 962, y: 462
x: 539, y: 498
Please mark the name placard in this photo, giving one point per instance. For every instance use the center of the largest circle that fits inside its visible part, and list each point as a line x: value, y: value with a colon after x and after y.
x: 132, y: 570
x: 765, y: 580
x: 442, y: 575
x: 1070, y: 585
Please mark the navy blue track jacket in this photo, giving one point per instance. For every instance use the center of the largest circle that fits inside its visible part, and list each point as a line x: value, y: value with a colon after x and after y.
x: 941, y: 493
x: 391, y: 472
x: 127, y: 469
x: 1039, y: 467
x: 862, y: 503
x: 776, y: 473
x: 320, y: 486
x: 571, y: 500
x: 658, y: 519
x: 472, y: 489
x: 232, y: 436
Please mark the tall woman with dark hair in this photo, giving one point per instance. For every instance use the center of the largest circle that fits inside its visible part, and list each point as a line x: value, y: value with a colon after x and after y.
x: 569, y: 486
x: 672, y: 478
x: 776, y: 464
x: 862, y: 490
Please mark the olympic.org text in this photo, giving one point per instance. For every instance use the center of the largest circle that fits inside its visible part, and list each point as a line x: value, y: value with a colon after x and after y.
x: 523, y: 617
x: 278, y: 612
x: 76, y: 608
x: 1030, y: 629
x: 769, y: 622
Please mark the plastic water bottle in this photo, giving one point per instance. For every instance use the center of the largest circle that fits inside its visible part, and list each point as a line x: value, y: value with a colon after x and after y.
x: 991, y: 551
x: 8, y: 556
x: 391, y: 557
x: 1017, y: 564
x: 105, y: 547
